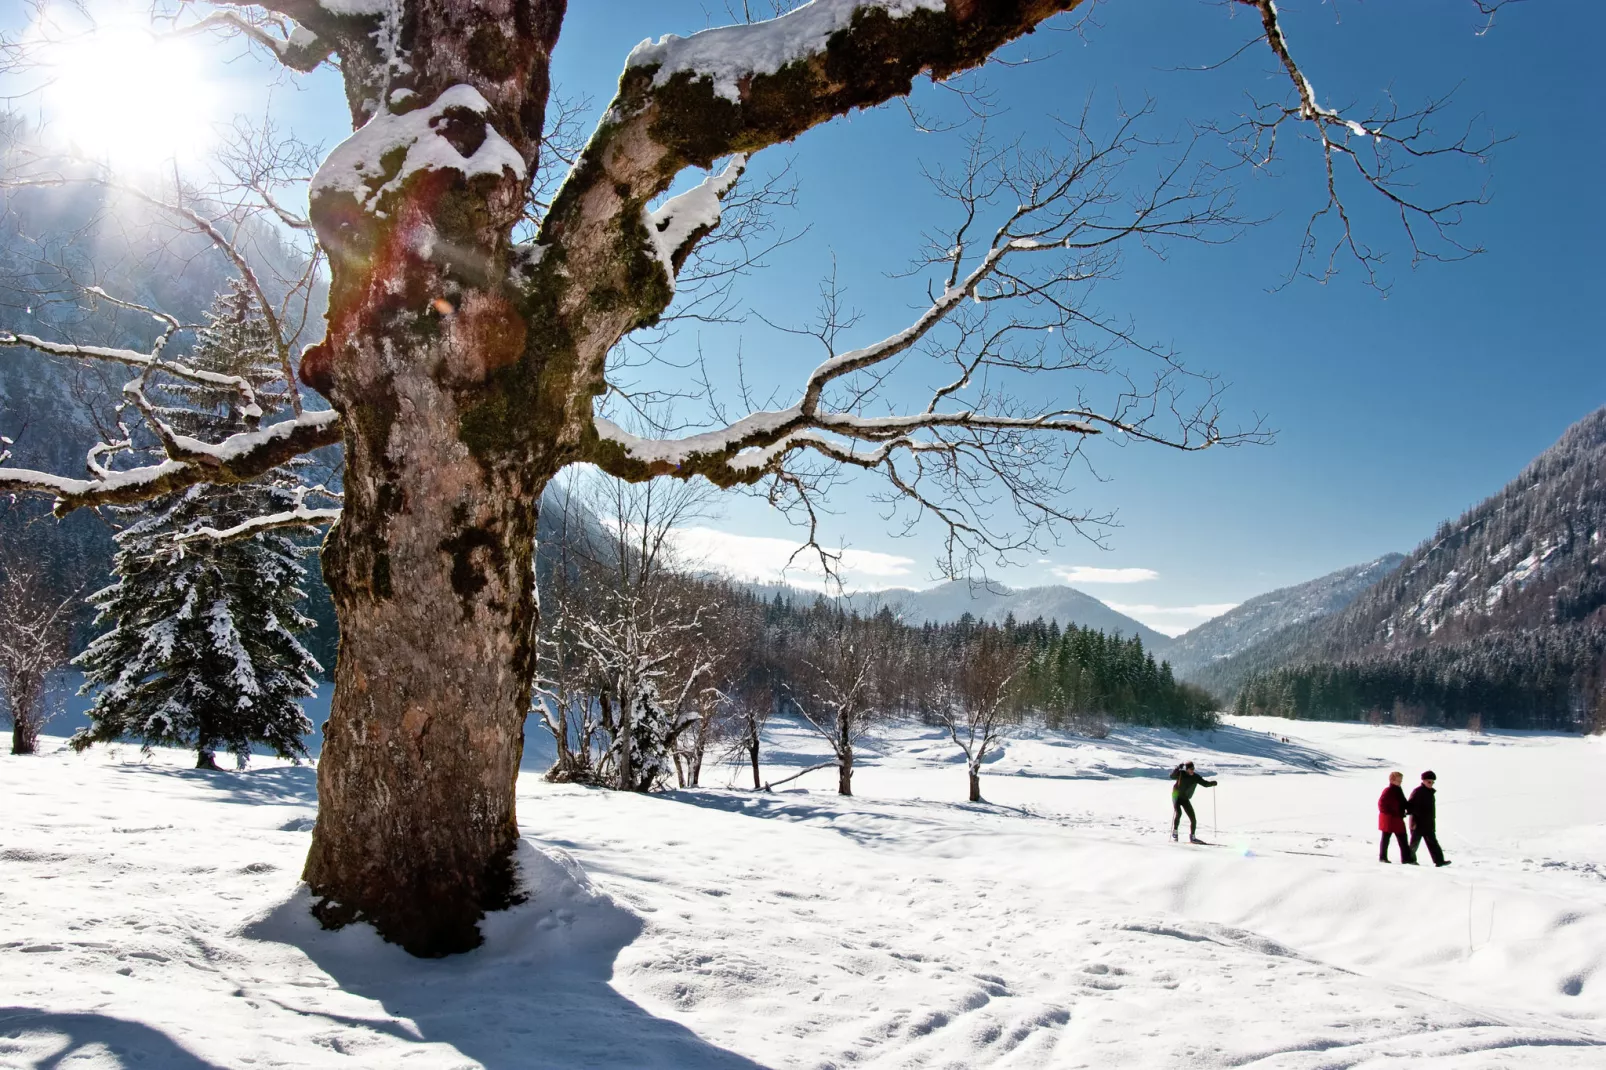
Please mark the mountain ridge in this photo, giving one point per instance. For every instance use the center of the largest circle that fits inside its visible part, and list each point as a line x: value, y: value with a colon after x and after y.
x: 1501, y: 612
x: 1261, y: 617
x: 993, y: 601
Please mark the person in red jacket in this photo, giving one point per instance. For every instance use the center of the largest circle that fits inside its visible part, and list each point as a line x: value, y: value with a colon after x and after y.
x: 1391, y: 820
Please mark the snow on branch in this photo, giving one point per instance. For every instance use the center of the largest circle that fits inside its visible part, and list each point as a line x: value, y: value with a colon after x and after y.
x: 299, y: 515
x: 292, y: 44
x: 249, y: 408
x: 236, y: 459
x: 729, y: 55
x: 686, y: 218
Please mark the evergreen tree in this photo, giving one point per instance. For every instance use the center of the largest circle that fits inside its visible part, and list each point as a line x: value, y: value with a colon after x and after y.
x: 200, y: 645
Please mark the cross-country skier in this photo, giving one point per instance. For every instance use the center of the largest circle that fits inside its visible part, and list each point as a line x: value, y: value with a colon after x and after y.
x: 1424, y: 818
x: 1181, y: 794
x: 1391, y: 820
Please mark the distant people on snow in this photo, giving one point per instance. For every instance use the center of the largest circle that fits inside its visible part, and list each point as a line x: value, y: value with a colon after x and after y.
x: 1186, y: 780
x: 1424, y: 819
x: 1391, y: 820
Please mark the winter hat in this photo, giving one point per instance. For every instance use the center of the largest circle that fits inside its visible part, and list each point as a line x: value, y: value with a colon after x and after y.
x: 1429, y: 775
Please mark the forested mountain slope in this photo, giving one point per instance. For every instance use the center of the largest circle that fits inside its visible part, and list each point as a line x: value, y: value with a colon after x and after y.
x: 1265, y: 615
x: 947, y: 602
x: 1500, y: 616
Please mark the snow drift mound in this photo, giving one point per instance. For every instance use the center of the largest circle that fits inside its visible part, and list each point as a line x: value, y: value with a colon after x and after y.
x: 564, y: 923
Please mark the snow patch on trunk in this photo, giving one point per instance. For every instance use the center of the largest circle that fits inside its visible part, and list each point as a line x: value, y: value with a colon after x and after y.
x: 357, y: 165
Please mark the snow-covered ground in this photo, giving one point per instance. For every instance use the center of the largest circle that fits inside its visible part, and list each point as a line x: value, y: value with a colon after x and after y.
x: 150, y: 916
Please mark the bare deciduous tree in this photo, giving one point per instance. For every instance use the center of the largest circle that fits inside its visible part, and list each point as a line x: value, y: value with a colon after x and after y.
x: 34, y: 633
x: 463, y: 363
x: 975, y: 701
x: 627, y: 644
x: 837, y: 689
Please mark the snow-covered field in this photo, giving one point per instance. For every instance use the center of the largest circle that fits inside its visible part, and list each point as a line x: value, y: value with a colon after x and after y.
x: 150, y: 916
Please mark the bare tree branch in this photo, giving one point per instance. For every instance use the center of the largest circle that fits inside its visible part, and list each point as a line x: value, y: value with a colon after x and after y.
x: 236, y: 459
x: 1364, y: 150
x: 1013, y: 304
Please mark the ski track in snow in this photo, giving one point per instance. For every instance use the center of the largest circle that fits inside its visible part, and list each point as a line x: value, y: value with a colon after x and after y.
x: 152, y: 916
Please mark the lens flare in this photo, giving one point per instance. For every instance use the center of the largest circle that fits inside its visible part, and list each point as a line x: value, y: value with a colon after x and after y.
x: 121, y: 93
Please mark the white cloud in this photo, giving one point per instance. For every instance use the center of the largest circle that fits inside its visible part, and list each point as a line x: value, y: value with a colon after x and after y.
x: 1090, y: 574
x: 763, y: 559
x: 1173, y: 620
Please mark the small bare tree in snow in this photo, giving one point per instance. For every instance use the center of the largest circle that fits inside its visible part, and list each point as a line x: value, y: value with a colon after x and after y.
x: 750, y: 706
x: 976, y: 699
x: 620, y: 685
x: 34, y: 633
x: 838, y: 690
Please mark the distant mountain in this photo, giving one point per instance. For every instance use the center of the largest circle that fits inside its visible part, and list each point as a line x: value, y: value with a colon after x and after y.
x: 947, y: 602
x: 1501, y: 614
x: 1264, y: 615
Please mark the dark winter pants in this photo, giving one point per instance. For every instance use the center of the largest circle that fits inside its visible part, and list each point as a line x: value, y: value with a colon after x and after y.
x: 1420, y: 832
x: 1383, y: 847
x: 1178, y: 806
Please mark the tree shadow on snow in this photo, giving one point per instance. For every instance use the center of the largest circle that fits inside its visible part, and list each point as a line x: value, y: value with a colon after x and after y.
x: 46, y: 1040
x: 868, y: 822
x: 536, y: 996
x: 284, y: 785
x: 1155, y: 751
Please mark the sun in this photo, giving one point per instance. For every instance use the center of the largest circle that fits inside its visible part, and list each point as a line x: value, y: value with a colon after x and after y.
x: 119, y: 93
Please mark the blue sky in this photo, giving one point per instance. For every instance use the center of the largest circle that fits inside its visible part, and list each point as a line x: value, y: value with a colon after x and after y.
x: 1393, y: 413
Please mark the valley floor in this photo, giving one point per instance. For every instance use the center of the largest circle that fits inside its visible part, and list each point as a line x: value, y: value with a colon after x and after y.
x: 151, y: 915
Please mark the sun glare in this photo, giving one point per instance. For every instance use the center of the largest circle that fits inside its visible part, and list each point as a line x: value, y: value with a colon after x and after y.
x: 120, y: 94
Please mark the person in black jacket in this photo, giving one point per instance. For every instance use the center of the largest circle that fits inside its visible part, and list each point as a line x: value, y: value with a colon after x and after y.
x: 1424, y: 819
x: 1181, y: 795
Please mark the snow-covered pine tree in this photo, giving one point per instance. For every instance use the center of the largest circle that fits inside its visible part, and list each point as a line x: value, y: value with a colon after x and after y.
x: 653, y: 729
x: 200, y: 648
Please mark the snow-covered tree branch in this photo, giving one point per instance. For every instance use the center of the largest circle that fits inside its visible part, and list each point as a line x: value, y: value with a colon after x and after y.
x: 1010, y: 313
x: 238, y: 458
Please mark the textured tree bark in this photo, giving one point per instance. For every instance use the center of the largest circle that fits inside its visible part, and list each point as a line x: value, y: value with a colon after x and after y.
x: 752, y: 754
x: 416, y: 821
x: 975, y: 785
x: 431, y: 565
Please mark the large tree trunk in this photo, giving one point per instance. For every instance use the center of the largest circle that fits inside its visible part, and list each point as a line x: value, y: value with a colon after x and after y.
x: 975, y: 785
x: 752, y: 754
x: 443, y: 371
x: 416, y: 821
